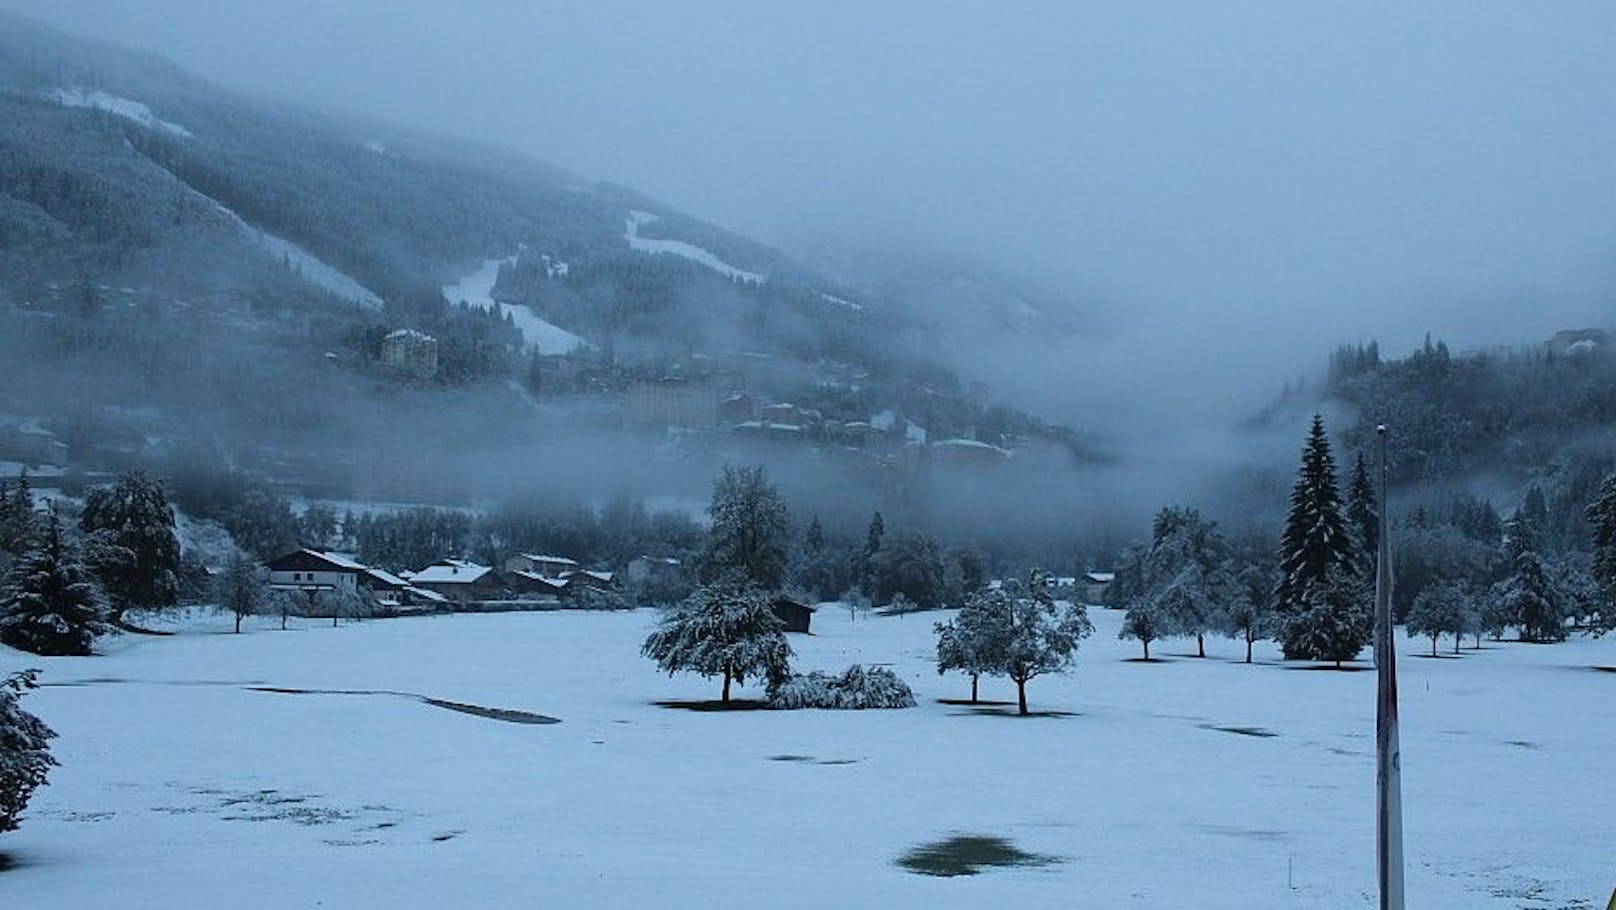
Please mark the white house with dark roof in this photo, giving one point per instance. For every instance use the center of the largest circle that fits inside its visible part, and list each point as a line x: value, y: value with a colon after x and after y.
x: 315, y: 570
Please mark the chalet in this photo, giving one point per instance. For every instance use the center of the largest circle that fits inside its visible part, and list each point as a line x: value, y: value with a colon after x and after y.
x: 532, y: 584
x: 460, y: 581
x: 547, y: 566
x: 1098, y: 586
x: 387, y: 589
x: 584, y: 578
x: 315, y: 570
x: 795, y: 614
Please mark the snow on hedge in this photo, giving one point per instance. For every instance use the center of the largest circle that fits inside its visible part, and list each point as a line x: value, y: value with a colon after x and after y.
x: 857, y: 688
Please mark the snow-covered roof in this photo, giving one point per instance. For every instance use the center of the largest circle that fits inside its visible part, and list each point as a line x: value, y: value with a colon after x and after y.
x: 598, y: 576
x: 424, y: 594
x: 386, y: 578
x: 561, y: 560
x: 1100, y: 578
x: 457, y: 572
x: 344, y: 561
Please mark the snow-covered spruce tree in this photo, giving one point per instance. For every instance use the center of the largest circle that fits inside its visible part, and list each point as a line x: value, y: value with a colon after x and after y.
x: 18, y: 517
x: 1530, y: 601
x: 239, y: 591
x: 1440, y: 610
x: 976, y: 641
x: 1043, y: 635
x: 1334, y: 623
x: 1363, y: 513
x: 750, y: 524
x: 48, y: 604
x: 724, y: 629
x: 25, y: 757
x: 1317, y: 544
x: 1602, y: 519
x: 131, y: 545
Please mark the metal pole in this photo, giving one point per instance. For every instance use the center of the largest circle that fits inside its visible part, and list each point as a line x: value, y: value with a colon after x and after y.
x: 1389, y: 767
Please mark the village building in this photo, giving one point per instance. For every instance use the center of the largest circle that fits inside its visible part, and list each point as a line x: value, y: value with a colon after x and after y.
x: 412, y: 353
x: 1097, y: 586
x: 539, y: 564
x: 534, y: 585
x: 313, y: 571
x: 31, y: 446
x: 577, y: 581
x: 796, y: 615
x: 672, y: 403
x: 460, y: 581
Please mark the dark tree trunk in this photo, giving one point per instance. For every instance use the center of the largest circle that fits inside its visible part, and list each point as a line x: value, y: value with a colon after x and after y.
x: 1146, y: 642
x: 1433, y: 645
x: 238, y: 623
x: 1248, y: 648
x: 1200, y: 645
x: 1021, y: 695
x: 283, y: 622
x: 1457, y: 638
x: 973, y: 688
x: 726, y: 687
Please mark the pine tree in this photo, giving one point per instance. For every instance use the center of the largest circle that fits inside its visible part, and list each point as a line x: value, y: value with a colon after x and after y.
x: 750, y: 522
x: 1363, y: 512
x: 1334, y: 623
x: 1317, y: 544
x: 864, y: 563
x: 725, y: 630
x: 814, y: 540
x: 1440, y: 610
x: 1531, y: 602
x: 25, y: 757
x: 18, y: 518
x: 48, y: 604
x: 131, y: 543
x: 1602, y: 516
x: 1044, y: 635
x: 1535, y: 511
x: 976, y: 641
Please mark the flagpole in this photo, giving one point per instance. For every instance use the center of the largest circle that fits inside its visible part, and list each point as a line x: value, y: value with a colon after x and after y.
x: 1389, y: 761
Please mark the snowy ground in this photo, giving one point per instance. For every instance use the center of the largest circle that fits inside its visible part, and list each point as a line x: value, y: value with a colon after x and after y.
x: 113, y: 104
x: 1190, y: 782
x: 477, y: 289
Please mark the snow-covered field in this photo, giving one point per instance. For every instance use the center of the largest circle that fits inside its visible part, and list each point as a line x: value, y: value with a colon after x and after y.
x: 631, y: 233
x: 1194, y: 783
x: 477, y: 289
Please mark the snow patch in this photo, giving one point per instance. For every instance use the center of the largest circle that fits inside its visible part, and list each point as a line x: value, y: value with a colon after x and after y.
x: 113, y: 104
x: 477, y: 289
x: 841, y: 302
x: 311, y: 267
x: 631, y: 233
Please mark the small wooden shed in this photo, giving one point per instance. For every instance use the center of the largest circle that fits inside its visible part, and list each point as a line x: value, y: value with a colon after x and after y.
x: 795, y: 614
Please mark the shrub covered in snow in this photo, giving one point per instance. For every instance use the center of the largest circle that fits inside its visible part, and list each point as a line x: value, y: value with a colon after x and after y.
x: 859, y: 687
x: 25, y: 756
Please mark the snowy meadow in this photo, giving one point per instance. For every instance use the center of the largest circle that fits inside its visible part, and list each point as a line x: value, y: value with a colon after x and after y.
x: 308, y: 768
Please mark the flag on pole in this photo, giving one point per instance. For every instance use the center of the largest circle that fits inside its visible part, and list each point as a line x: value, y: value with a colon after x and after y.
x: 1389, y: 770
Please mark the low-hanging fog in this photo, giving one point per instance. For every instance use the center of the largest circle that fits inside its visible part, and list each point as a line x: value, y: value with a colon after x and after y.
x: 1222, y: 191
x: 1212, y: 196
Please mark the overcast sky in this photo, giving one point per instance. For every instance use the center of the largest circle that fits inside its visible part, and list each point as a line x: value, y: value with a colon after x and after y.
x: 1258, y: 179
